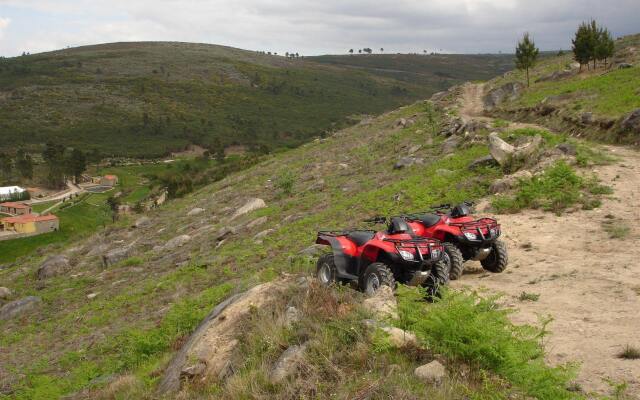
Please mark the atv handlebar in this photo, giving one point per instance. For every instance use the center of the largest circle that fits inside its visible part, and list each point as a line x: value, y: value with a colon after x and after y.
x: 379, y: 219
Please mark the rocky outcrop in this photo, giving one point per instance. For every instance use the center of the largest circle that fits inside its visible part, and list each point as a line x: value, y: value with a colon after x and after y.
x: 382, y: 304
x: 249, y: 206
x: 451, y: 144
x: 432, y: 373
x: 506, y: 92
x: 19, y: 307
x: 195, y: 211
x: 557, y: 76
x: 208, y: 351
x: 631, y: 122
x: 115, y: 256
x: 54, y: 266
x: 505, y: 153
x: 486, y: 161
x: 177, y: 241
x: 408, y: 161
x: 287, y: 363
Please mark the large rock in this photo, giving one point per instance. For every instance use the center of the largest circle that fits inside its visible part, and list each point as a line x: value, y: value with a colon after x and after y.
x: 53, y: 266
x: 504, y: 153
x: 5, y: 293
x: 432, y: 373
x: 631, y: 122
x: 407, y: 162
x: 250, y: 205
x: 19, y: 307
x: 177, y: 241
x: 399, y: 337
x: 257, y: 222
x: 195, y: 211
x: 451, y: 144
x: 142, y: 222
x: 508, y: 91
x: 287, y: 364
x: 208, y: 352
x: 115, y: 256
x: 486, y: 161
x: 382, y: 304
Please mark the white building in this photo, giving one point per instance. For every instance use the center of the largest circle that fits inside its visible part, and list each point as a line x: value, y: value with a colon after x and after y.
x: 7, y: 191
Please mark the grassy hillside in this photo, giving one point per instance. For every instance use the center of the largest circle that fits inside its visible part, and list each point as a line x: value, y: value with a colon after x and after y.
x: 144, y: 99
x: 116, y: 342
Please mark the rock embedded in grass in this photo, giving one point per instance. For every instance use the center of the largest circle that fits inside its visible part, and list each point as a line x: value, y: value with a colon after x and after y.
x: 19, y: 307
x: 53, y: 266
x: 5, y: 293
x: 432, y: 373
x: 288, y: 363
x: 195, y: 211
x: 251, y: 205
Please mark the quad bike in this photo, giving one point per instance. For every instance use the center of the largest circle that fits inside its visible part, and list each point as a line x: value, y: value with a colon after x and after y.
x: 372, y: 259
x: 463, y: 237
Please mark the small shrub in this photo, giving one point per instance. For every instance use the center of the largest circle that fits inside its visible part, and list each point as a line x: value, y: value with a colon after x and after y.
x: 629, y: 353
x: 285, y: 182
x: 616, y: 228
x: 524, y: 296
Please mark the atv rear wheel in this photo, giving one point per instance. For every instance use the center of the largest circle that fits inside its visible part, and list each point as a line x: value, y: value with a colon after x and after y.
x: 498, y: 259
x: 438, y: 277
x: 376, y: 275
x: 455, y: 260
x: 326, y: 269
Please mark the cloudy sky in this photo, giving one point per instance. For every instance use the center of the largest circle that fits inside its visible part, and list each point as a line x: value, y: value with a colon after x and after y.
x: 308, y: 26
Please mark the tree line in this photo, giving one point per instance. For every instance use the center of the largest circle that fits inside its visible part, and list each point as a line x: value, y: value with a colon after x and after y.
x: 591, y: 43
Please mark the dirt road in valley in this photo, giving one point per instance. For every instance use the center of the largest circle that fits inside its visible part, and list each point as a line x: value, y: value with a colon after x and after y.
x: 588, y: 282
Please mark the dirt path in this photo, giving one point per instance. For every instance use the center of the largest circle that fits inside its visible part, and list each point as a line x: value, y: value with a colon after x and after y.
x: 588, y: 282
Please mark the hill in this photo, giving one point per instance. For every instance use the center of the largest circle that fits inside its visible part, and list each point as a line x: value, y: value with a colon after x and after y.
x: 146, y: 99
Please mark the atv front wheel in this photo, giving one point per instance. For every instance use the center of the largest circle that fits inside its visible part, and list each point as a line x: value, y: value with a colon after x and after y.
x: 326, y: 269
x: 375, y: 276
x: 438, y: 277
x: 498, y: 259
x: 455, y: 260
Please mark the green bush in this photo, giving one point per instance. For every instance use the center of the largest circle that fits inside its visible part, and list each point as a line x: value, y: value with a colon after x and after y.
x: 463, y: 326
x: 285, y: 182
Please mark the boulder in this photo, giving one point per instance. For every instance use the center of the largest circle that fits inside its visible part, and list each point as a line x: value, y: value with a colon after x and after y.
x: 508, y: 91
x: 261, y: 235
x: 5, y: 293
x: 404, y: 123
x: 115, y: 256
x: 415, y: 148
x: 567, y: 148
x: 399, y: 337
x: 53, y: 266
x: 177, y: 241
x: 631, y: 122
x: 586, y: 118
x: 257, y: 222
x: 287, y: 364
x: 407, y: 162
x: 208, y: 352
x: 432, y: 373
x: 142, y: 222
x: 195, y: 211
x: 500, y: 150
x: 486, y: 161
x: 225, y: 232
x: 382, y: 304
x: 19, y: 307
x: 249, y: 206
x: 451, y: 144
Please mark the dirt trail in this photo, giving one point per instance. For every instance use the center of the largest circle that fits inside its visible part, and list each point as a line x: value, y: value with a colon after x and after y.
x: 588, y: 282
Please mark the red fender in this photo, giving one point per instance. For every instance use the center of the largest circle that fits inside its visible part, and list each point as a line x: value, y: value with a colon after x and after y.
x: 372, y: 249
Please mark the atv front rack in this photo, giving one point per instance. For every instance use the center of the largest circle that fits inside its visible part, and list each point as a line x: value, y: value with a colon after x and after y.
x: 486, y: 228
x: 433, y: 247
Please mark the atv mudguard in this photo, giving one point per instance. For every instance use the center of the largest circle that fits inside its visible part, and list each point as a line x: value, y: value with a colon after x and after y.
x: 343, y: 255
x: 443, y: 231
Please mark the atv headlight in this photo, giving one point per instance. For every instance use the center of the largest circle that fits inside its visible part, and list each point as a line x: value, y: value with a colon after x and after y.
x: 494, y: 232
x: 406, y: 255
x: 435, y: 254
x: 470, y: 236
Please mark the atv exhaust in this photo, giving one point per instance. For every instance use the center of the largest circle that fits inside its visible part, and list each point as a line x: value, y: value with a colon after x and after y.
x: 482, y: 254
x: 419, y: 278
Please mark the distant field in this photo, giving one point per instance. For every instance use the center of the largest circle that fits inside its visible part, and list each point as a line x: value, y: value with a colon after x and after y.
x: 146, y: 99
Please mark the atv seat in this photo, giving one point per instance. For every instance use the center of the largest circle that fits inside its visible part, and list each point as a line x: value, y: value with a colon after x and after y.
x: 428, y: 220
x: 360, y: 237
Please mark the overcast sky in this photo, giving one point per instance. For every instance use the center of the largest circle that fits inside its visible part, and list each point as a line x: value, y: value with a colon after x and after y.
x: 309, y: 26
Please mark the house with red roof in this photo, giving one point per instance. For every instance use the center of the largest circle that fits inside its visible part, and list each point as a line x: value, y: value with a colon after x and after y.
x: 15, y: 208
x: 30, y: 224
x: 109, y: 180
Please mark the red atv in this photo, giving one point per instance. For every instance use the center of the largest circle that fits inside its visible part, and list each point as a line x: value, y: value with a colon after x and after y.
x: 373, y: 259
x: 464, y: 237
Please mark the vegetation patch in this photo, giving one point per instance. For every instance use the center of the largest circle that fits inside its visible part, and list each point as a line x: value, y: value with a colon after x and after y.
x: 629, y: 353
x: 472, y: 329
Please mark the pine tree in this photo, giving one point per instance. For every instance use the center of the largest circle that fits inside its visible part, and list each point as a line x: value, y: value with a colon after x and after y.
x: 526, y: 54
x: 605, y: 46
x: 581, y: 45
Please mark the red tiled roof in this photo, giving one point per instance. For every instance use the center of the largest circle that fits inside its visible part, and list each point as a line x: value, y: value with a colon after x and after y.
x: 111, y: 177
x: 14, y: 205
x: 23, y: 219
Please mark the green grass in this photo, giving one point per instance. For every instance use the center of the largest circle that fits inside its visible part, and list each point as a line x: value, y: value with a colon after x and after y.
x: 525, y: 296
x: 611, y: 94
x: 463, y: 326
x: 556, y: 189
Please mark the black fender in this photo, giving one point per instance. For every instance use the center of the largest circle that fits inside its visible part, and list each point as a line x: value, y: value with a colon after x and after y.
x: 345, y: 264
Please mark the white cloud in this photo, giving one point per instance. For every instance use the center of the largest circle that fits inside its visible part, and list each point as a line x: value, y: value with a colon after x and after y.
x: 311, y: 26
x: 4, y: 23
